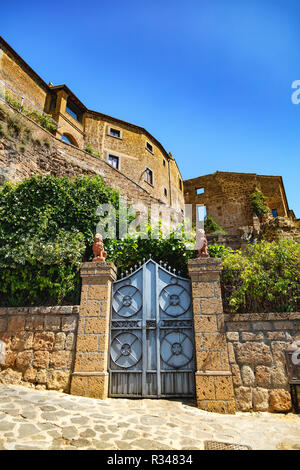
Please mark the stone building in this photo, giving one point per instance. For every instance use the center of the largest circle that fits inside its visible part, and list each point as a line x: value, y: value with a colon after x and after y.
x: 226, y: 196
x: 130, y: 149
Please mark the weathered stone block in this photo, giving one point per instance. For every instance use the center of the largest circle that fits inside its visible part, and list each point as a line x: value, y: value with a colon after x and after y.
x: 96, y: 325
x: 232, y: 336
x: 236, y: 375
x: 98, y: 387
x: 260, y: 399
x: 58, y: 380
x: 214, y: 341
x: 279, y: 376
x: 3, y: 324
x: 43, y: 341
x: 248, y: 376
x: 205, y: 323
x: 246, y: 336
x: 216, y: 407
x: 205, y: 389
x: 203, y: 289
x: 278, y: 348
x: 16, y: 324
x: 60, y: 359
x: 10, y: 377
x: 87, y: 343
x: 79, y: 385
x: 90, y: 308
x: 42, y: 376
x: 253, y: 353
x: 98, y: 292
x: 211, y: 306
x: 52, y: 322
x: 93, y: 362
x: 30, y: 374
x: 22, y: 340
x: 69, y: 323
x: 207, y: 361
x: 38, y: 322
x: 263, y: 376
x: 41, y: 359
x: 275, y: 335
x: 70, y: 342
x: 24, y: 359
x: 224, y: 388
x: 280, y: 400
x: 231, y: 354
x: 243, y: 398
x: 60, y: 339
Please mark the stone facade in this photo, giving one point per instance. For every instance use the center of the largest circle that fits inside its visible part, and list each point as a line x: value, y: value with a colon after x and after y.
x: 134, y: 147
x: 214, y: 388
x: 226, y: 196
x: 255, y: 344
x: 44, y: 153
x: 39, y: 346
x: 90, y: 377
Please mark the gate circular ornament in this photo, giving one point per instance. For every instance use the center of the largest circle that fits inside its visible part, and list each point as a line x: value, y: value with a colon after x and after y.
x: 127, y: 301
x: 126, y: 350
x: 176, y: 349
x: 174, y: 300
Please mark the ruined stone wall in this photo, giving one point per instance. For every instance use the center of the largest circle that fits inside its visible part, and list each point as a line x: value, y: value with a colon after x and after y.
x: 255, y: 345
x: 227, y: 197
x: 39, y: 346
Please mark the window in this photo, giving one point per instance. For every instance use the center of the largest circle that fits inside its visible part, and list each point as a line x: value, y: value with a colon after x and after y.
x: 149, y: 176
x: 164, y: 162
x: 200, y: 191
x: 149, y: 147
x: 165, y: 192
x: 275, y: 213
x: 114, y: 132
x: 73, y: 110
x: 113, y: 161
x: 180, y: 184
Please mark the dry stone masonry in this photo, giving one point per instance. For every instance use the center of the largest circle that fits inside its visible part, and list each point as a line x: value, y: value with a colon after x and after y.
x: 256, y: 345
x: 39, y: 346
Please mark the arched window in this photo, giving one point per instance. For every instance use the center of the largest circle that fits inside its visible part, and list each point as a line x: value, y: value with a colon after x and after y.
x: 70, y: 139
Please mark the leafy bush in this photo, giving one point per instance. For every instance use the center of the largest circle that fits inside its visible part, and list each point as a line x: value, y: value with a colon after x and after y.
x: 47, y: 226
x: 266, y: 278
x: 211, y: 227
x: 91, y: 151
x: 45, y: 120
x: 258, y: 203
x: 126, y: 253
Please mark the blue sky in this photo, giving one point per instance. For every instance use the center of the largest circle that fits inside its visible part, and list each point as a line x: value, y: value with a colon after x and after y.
x: 211, y: 80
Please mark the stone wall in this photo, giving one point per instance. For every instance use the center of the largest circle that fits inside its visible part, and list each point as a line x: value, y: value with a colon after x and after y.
x: 255, y: 345
x: 226, y: 196
x: 39, y: 346
x: 45, y: 154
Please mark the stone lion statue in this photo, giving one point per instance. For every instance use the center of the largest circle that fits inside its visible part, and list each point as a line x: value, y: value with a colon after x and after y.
x: 201, y: 244
x: 98, y: 248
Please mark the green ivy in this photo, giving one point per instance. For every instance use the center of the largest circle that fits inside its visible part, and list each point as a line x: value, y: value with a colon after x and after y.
x: 258, y: 203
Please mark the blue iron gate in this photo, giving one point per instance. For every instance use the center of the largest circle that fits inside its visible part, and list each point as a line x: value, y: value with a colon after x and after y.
x: 152, y: 339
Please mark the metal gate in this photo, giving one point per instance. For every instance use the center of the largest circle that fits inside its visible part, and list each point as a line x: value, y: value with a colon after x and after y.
x: 152, y: 339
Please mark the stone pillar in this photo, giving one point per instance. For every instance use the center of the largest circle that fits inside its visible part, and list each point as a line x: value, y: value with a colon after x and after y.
x: 90, y: 377
x: 214, y: 387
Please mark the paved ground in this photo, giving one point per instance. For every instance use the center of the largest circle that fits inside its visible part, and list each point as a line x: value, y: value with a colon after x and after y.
x: 31, y: 419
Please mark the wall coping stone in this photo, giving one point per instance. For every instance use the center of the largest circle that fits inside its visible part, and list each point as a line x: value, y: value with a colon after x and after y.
x: 53, y: 310
x: 233, y: 317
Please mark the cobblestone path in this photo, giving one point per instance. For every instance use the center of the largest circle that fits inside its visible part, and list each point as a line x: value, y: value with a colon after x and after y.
x: 32, y: 419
